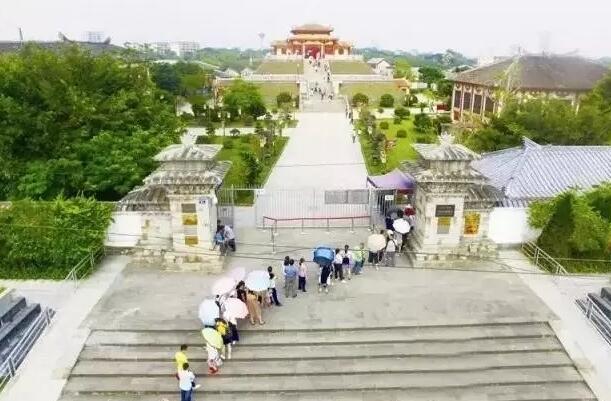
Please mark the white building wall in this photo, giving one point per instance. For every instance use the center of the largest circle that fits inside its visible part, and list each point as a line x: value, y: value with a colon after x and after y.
x: 509, y: 225
x: 125, y: 229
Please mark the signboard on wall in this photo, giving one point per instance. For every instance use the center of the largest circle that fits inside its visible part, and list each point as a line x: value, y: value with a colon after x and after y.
x: 444, y: 210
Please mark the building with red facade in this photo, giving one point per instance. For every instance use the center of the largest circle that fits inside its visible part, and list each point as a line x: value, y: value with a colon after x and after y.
x: 311, y: 40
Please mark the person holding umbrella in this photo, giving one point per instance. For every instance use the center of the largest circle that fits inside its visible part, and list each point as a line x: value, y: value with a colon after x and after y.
x: 254, y: 308
x: 214, y: 342
x: 323, y: 256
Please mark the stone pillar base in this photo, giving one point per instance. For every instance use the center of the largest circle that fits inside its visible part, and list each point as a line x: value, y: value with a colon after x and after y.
x: 180, y: 261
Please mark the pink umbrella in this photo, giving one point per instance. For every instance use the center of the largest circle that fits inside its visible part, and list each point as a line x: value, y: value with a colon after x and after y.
x: 238, y: 274
x: 235, y: 308
x: 223, y: 286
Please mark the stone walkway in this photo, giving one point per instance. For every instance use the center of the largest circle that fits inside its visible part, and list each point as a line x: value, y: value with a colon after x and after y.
x: 44, y: 372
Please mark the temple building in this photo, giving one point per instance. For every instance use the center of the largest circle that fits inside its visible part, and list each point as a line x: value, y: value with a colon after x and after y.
x: 561, y: 77
x: 311, y: 40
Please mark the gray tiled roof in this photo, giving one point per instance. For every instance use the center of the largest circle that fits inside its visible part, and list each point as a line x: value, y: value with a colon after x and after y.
x: 188, y: 152
x: 210, y: 177
x: 538, y: 72
x: 542, y: 171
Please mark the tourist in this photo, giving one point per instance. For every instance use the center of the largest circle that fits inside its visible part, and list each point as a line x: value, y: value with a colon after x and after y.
x: 285, y: 263
x: 254, y: 308
x: 391, y: 248
x: 233, y: 328
x: 241, y: 291
x: 222, y: 327
x: 324, y: 277
x: 290, y: 279
x: 214, y: 359
x: 346, y: 256
x: 303, y: 272
x: 338, y: 270
x: 186, y: 382
x: 359, y: 258
x: 181, y: 358
x: 272, y: 290
x: 219, y: 239
x: 229, y: 236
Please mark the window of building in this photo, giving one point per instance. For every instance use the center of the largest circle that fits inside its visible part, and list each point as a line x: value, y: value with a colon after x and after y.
x: 472, y: 220
x: 443, y: 225
x: 467, y: 101
x: 489, y: 106
x: 477, y: 104
x: 457, y: 96
x: 188, y: 207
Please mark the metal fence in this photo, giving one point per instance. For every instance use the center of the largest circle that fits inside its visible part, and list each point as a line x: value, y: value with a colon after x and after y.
x: 542, y: 259
x: 596, y: 316
x: 9, y: 367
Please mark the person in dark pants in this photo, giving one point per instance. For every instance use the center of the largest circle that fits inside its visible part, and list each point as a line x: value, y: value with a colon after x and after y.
x: 338, y: 270
x: 186, y: 383
x: 272, y: 289
x: 302, y: 274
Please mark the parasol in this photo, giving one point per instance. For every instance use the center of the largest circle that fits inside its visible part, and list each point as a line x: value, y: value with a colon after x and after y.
x: 213, y: 337
x: 238, y: 274
x: 323, y: 255
x: 235, y: 308
x: 257, y: 280
x: 401, y: 226
x: 208, y: 311
x: 223, y: 286
x: 376, y: 242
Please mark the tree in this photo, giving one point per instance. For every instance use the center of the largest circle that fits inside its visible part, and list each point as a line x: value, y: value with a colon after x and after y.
x: 253, y: 168
x: 246, y: 97
x: 72, y: 123
x: 359, y: 99
x: 401, y: 112
x: 166, y: 77
x: 284, y: 98
x: 430, y: 75
x: 403, y: 69
x: 387, y: 100
x: 423, y: 123
x: 234, y: 132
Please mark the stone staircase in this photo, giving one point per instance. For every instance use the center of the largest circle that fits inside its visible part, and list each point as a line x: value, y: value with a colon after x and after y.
x: 16, y: 316
x: 520, y: 361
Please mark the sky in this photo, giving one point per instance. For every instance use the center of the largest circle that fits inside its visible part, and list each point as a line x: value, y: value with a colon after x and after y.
x: 477, y: 28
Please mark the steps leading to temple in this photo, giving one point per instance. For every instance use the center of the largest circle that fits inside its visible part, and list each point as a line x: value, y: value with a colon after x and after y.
x: 521, y: 361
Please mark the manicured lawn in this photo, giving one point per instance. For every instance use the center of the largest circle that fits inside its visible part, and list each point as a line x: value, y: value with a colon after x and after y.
x: 269, y: 91
x: 401, y: 151
x: 280, y: 67
x: 350, y: 67
x: 373, y: 90
x: 232, y: 148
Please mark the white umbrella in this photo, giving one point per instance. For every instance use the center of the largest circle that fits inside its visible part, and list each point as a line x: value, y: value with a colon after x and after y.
x: 235, y: 308
x: 223, y: 285
x: 237, y: 274
x: 376, y: 242
x: 401, y: 226
x: 208, y: 311
x: 257, y: 280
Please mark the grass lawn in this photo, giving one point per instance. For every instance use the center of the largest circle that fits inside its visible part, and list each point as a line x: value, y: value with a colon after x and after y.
x: 402, y: 149
x: 350, y: 67
x: 373, y: 90
x: 232, y: 148
x: 280, y: 67
x: 269, y: 91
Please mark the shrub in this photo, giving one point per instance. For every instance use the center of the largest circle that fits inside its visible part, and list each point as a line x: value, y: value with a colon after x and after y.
x: 422, y: 123
x: 234, y: 132
x: 283, y: 98
x: 249, y: 120
x: 204, y: 139
x: 396, y: 121
x: 424, y: 139
x: 384, y: 125
x: 387, y: 100
x: 380, y: 110
x: 228, y: 143
x: 68, y: 231
x: 401, y: 133
x: 401, y: 112
x: 360, y: 99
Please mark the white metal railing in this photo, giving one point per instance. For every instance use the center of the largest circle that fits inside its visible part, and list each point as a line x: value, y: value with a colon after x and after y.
x: 597, y: 318
x: 9, y: 367
x: 542, y: 259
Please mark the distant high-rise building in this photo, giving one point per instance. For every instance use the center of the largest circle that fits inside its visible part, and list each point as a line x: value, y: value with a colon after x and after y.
x: 181, y: 49
x: 93, y: 36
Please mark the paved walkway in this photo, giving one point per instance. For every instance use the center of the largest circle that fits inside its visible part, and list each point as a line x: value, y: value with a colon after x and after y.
x: 592, y: 355
x: 45, y: 370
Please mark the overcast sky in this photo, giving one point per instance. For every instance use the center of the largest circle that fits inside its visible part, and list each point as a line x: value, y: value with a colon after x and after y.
x: 476, y: 27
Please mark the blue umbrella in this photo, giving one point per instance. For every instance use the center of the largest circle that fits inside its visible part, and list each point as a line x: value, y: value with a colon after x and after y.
x: 323, y: 255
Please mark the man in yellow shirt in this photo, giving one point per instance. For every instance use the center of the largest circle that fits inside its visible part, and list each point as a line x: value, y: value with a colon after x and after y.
x: 181, y: 358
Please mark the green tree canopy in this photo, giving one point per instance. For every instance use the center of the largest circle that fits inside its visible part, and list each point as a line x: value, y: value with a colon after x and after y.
x: 430, y: 74
x: 75, y: 123
x: 244, y: 97
x: 360, y: 99
x: 387, y: 100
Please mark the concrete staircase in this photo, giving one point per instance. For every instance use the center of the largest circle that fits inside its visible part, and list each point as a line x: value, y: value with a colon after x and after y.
x: 521, y: 361
x: 16, y: 316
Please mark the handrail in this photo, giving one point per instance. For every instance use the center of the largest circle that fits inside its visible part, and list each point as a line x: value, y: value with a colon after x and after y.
x: 542, y: 259
x: 275, y: 220
x: 596, y: 317
x: 8, y: 368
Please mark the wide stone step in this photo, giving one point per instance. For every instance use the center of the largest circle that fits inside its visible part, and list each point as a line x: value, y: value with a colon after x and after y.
x: 322, y: 351
x: 330, y: 381
x: 332, y: 366
x: 344, y: 336
x: 512, y: 392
